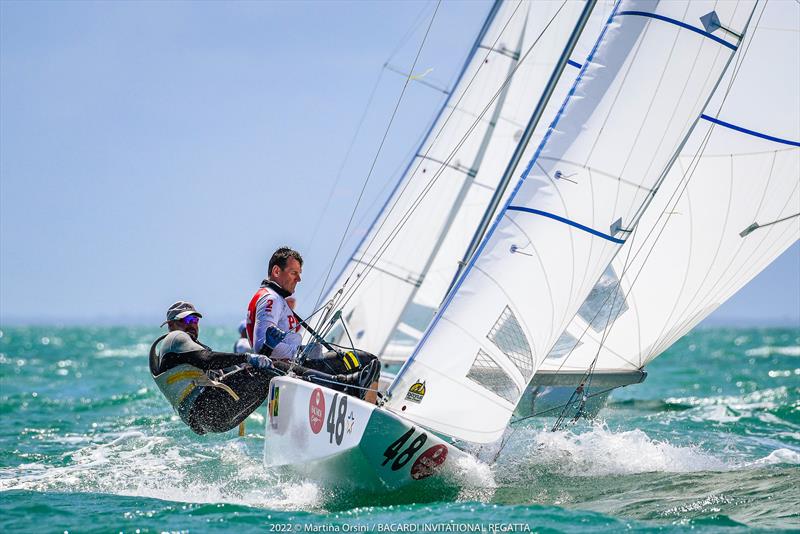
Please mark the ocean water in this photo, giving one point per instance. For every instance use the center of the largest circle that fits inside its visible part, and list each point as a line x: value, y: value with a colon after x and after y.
x: 709, y: 442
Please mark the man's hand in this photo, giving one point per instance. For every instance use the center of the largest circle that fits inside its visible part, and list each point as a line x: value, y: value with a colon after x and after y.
x: 259, y: 361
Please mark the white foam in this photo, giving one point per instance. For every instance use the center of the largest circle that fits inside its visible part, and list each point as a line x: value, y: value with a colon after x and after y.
x: 600, y: 452
x: 470, y: 472
x: 475, y: 479
x: 779, y: 456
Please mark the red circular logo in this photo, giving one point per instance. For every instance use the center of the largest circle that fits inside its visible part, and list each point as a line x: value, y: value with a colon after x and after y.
x: 316, y: 410
x: 429, y: 461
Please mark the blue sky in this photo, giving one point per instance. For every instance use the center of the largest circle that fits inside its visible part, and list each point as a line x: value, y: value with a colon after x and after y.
x: 152, y: 151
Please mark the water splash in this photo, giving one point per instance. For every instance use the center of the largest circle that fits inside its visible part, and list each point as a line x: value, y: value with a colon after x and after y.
x: 601, y: 452
x: 136, y: 464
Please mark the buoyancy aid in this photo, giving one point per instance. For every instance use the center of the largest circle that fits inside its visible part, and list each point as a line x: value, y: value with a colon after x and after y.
x: 269, y: 304
x: 251, y: 312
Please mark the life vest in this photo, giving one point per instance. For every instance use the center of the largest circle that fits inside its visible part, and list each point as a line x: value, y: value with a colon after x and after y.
x: 251, y: 313
x: 182, y: 384
x: 269, y: 305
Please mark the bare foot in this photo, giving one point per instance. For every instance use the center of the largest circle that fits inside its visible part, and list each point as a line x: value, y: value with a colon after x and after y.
x: 371, y: 396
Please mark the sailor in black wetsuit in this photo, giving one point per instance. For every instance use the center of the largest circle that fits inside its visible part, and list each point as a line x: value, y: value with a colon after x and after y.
x: 213, y: 391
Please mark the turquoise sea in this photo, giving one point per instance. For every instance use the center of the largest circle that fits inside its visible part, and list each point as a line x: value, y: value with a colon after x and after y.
x: 709, y: 442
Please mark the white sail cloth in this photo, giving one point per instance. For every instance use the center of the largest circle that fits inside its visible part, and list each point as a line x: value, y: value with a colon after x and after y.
x: 687, y: 255
x: 415, y: 257
x: 617, y: 134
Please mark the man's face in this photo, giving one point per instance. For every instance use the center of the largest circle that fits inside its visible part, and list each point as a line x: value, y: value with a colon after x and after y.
x: 289, y: 277
x: 190, y: 325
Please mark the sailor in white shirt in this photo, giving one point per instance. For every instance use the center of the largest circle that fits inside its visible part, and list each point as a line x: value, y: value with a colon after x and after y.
x: 274, y: 330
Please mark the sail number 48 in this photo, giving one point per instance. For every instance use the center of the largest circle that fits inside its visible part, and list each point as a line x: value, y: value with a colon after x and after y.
x: 335, y: 426
x: 402, y: 458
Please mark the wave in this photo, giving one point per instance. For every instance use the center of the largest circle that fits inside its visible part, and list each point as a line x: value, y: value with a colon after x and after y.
x: 732, y: 408
x: 778, y: 457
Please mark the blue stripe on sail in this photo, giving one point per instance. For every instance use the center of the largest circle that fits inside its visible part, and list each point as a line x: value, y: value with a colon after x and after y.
x: 574, y: 64
x: 566, y: 221
x: 749, y: 132
x: 681, y: 24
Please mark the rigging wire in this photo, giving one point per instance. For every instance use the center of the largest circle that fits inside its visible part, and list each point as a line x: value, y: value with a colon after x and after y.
x: 342, y: 166
x: 360, y: 124
x: 364, y: 219
x: 380, y: 148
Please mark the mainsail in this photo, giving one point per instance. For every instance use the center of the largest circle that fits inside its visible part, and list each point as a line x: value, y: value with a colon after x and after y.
x: 692, y: 250
x: 618, y: 133
x: 400, y: 272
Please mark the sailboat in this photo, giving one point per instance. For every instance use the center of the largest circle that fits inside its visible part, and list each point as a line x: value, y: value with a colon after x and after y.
x: 592, y: 195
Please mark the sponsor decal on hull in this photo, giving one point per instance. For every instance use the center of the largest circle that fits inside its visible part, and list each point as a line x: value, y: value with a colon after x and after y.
x: 316, y: 410
x: 429, y: 462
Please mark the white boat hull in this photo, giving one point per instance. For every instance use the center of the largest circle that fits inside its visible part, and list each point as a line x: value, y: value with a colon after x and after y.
x: 333, y: 437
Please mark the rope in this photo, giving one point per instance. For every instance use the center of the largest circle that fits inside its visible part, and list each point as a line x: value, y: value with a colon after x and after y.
x: 320, y: 379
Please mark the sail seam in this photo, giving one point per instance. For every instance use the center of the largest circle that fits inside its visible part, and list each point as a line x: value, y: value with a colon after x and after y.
x: 566, y: 221
x: 679, y: 23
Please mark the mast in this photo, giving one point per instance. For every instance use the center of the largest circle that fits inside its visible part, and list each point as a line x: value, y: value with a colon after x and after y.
x: 526, y: 137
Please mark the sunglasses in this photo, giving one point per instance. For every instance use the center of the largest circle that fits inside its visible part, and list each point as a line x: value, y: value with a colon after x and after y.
x: 191, y: 319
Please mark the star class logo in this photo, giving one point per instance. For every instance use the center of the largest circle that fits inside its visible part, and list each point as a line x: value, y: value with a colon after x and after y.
x: 416, y: 392
x: 316, y: 410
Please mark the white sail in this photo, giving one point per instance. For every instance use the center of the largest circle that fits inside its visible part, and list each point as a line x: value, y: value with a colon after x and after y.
x: 416, y: 257
x: 635, y: 102
x: 687, y: 255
